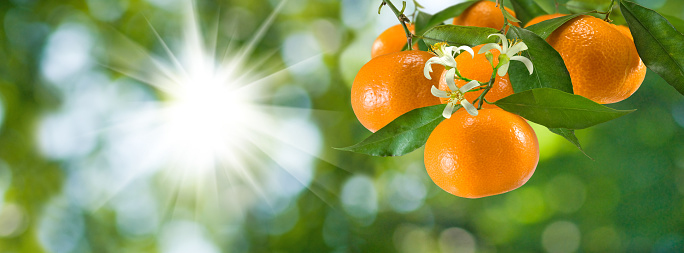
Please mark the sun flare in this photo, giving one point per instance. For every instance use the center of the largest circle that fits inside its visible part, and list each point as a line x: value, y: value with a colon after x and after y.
x: 210, y: 127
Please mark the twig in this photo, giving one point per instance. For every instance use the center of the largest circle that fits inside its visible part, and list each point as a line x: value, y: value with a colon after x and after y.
x: 402, y: 19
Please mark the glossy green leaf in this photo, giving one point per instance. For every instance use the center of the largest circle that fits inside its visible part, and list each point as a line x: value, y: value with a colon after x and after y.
x: 556, y: 6
x: 445, y: 14
x: 457, y: 35
x: 549, y: 69
x: 546, y: 27
x: 403, y: 135
x: 526, y: 10
x: 556, y: 109
x: 422, y: 22
x: 676, y: 22
x: 569, y: 135
x: 419, y: 24
x: 510, y: 18
x: 659, y: 44
x: 579, y: 6
x: 422, y: 46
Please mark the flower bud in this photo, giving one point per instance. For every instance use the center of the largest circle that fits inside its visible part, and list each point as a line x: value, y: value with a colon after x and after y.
x: 503, y: 59
x: 490, y: 57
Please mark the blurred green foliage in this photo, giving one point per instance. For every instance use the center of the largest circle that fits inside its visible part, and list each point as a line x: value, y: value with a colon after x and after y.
x: 629, y: 199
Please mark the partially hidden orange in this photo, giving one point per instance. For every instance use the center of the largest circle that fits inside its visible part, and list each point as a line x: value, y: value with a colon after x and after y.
x: 483, y: 14
x: 390, y: 85
x: 391, y: 40
x: 541, y: 18
x: 478, y: 68
x: 602, y: 60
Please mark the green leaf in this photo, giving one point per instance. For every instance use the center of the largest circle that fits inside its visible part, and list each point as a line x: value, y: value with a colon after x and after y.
x: 421, y: 22
x: 549, y: 69
x: 445, y: 14
x: 422, y: 46
x: 556, y: 109
x: 659, y: 44
x: 403, y: 135
x: 579, y: 6
x: 569, y: 135
x: 676, y: 22
x: 457, y: 35
x: 418, y: 6
x: 556, y: 6
x: 546, y: 27
x: 526, y: 10
x: 509, y: 17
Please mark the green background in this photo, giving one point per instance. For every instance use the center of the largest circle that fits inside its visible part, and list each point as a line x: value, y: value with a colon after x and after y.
x: 629, y: 198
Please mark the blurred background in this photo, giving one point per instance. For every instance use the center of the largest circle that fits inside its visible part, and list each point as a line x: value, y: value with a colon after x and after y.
x: 120, y: 132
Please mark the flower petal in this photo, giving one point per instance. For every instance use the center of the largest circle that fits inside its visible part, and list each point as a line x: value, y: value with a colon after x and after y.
x: 428, y: 67
x: 521, y: 46
x: 524, y: 60
x: 469, y: 107
x: 504, y: 42
x: 448, y: 61
x: 488, y: 47
x: 469, y: 86
x: 448, y: 51
x: 438, y: 93
x: 467, y: 49
x: 503, y: 69
x: 448, y: 110
x: 450, y: 76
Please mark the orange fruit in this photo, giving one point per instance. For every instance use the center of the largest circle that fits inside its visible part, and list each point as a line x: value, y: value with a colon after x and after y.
x: 478, y: 156
x: 636, y: 75
x: 478, y: 68
x: 483, y: 14
x: 393, y: 84
x: 624, y: 30
x: 602, y: 60
x: 391, y: 40
x: 543, y: 18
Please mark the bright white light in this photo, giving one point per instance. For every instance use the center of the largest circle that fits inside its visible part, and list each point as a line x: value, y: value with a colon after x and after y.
x: 208, y: 132
x: 204, y: 120
x: 206, y: 116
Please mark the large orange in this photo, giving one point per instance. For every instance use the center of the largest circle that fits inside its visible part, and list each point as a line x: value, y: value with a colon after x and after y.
x: 390, y: 85
x: 543, y: 18
x: 483, y: 14
x: 478, y: 68
x: 478, y: 156
x: 391, y: 40
x: 602, y: 60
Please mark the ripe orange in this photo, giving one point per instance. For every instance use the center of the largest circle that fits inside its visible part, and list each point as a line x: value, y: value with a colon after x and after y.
x: 478, y: 68
x: 624, y: 30
x: 483, y: 14
x: 602, y: 60
x: 478, y: 156
x: 391, y: 40
x: 390, y: 85
x: 543, y: 18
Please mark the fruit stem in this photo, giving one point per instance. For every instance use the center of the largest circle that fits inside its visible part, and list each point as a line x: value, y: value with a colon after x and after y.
x: 402, y: 19
x: 499, y: 3
x: 465, y: 79
x: 415, y: 10
x: 556, y: 6
x: 481, y: 99
x: 610, y: 9
x: 458, y: 74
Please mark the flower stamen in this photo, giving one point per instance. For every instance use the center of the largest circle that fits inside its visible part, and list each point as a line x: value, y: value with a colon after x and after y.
x: 511, y: 50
